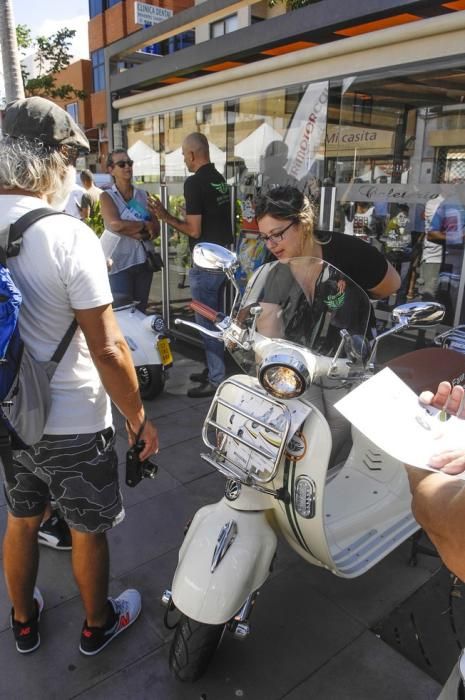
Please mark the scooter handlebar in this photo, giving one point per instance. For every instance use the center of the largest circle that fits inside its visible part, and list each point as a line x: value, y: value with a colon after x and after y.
x: 206, y: 311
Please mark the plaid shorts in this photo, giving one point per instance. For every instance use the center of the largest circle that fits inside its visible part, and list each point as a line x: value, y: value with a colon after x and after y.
x: 78, y: 472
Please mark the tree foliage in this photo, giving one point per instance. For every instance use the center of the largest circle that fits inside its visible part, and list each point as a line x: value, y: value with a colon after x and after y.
x: 23, y: 37
x: 292, y: 4
x: 52, y: 55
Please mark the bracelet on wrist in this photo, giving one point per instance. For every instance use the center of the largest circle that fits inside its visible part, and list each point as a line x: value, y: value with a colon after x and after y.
x: 138, y: 432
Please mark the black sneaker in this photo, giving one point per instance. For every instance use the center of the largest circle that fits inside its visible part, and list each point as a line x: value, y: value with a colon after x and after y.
x: 125, y: 610
x: 27, y: 633
x: 202, y: 391
x: 55, y: 533
x: 201, y: 377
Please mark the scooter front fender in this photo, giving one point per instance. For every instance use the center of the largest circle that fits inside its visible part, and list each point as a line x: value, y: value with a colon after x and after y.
x: 214, y: 594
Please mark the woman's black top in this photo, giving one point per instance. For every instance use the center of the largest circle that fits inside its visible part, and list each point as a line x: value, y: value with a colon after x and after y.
x: 357, y: 259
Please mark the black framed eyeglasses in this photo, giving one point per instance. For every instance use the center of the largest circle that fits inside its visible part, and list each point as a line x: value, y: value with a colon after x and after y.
x: 123, y: 163
x: 275, y: 238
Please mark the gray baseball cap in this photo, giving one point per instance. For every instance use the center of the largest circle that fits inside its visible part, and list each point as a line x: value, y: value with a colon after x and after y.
x: 38, y: 118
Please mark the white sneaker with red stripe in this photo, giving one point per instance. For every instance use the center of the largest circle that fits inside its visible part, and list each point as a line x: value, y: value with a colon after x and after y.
x: 125, y: 610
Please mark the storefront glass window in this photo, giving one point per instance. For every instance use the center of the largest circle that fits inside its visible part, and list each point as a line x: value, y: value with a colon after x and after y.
x: 392, y: 147
x: 397, y: 157
x: 278, y: 140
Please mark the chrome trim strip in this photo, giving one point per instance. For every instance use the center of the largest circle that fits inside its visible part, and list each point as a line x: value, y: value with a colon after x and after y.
x: 244, y: 613
x: 226, y: 537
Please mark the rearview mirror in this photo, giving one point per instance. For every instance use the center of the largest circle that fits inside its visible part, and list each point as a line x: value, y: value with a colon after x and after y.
x: 419, y: 313
x: 210, y: 256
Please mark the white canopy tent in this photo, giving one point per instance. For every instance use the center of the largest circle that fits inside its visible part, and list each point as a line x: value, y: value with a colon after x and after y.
x: 175, y: 166
x: 146, y: 160
x: 253, y: 147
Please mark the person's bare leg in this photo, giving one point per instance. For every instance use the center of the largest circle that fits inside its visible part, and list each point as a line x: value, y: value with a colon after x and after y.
x: 20, y: 563
x: 91, y: 565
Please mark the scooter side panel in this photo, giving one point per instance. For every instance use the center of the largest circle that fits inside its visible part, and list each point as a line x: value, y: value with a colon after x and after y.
x: 362, y: 509
x: 307, y: 456
x: 214, y: 597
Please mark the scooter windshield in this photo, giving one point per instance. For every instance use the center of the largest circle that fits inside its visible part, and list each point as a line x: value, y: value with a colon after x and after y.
x: 308, y: 302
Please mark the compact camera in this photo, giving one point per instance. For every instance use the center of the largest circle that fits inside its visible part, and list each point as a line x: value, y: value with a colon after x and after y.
x: 137, y: 470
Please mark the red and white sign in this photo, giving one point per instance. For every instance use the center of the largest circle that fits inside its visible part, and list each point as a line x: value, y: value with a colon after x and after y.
x: 306, y: 134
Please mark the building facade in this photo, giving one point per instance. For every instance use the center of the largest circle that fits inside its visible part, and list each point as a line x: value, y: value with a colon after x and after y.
x: 110, y: 21
x: 79, y: 75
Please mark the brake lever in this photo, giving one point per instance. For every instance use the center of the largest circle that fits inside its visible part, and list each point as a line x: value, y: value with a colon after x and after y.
x: 218, y: 335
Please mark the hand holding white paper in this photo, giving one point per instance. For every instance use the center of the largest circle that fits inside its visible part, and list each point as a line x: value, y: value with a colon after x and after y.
x: 390, y: 414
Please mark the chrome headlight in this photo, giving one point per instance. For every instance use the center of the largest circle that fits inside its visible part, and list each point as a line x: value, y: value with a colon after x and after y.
x: 158, y: 324
x: 284, y: 376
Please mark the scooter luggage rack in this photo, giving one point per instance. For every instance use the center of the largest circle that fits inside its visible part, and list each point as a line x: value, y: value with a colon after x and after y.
x: 219, y: 457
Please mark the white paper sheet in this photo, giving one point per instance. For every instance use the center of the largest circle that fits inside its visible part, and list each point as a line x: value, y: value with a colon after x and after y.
x: 266, y: 441
x: 390, y: 414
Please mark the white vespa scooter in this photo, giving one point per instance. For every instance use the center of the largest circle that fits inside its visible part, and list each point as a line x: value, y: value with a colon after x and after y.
x: 149, y: 345
x: 266, y: 432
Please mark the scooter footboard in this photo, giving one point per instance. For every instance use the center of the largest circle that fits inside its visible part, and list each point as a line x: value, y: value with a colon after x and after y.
x: 226, y: 556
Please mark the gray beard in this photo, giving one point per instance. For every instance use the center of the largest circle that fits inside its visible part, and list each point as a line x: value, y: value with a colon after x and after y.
x: 58, y: 199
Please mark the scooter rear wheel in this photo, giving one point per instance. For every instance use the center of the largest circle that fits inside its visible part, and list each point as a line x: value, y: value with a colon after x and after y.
x: 151, y: 380
x: 192, y: 648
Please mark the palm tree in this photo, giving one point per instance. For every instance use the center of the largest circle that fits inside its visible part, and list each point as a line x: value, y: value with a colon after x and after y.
x: 14, y: 89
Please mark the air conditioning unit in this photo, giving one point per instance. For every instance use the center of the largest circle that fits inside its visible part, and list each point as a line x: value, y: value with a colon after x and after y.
x: 102, y: 134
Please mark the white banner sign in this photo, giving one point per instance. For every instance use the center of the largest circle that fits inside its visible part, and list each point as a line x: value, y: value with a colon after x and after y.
x: 150, y: 14
x: 306, y: 134
x: 415, y: 194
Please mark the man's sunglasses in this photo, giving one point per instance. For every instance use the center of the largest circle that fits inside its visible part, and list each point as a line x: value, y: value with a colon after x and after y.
x: 123, y: 163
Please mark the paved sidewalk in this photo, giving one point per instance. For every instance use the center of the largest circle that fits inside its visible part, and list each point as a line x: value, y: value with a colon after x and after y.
x: 311, y: 634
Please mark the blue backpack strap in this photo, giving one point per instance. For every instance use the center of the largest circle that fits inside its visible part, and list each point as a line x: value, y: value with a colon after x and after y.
x: 17, y: 229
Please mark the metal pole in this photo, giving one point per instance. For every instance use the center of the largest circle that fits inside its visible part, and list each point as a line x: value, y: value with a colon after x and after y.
x: 327, y: 208
x: 233, y: 199
x: 165, y: 274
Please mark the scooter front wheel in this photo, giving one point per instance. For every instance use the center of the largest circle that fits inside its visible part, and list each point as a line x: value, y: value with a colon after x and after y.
x: 193, y: 647
x: 151, y: 380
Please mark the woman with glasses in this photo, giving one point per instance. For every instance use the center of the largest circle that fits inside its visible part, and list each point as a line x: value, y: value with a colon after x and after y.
x: 285, y: 221
x: 286, y: 224
x: 129, y: 230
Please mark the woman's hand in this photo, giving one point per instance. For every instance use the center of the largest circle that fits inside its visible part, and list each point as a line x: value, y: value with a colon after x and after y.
x: 450, y: 462
x: 153, y: 229
x: 448, y: 398
x: 149, y: 231
x: 451, y: 400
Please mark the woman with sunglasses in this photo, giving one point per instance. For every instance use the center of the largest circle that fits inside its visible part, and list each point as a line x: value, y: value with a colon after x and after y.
x: 285, y: 221
x: 129, y: 230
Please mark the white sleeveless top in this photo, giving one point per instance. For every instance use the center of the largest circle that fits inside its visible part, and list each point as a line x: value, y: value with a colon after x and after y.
x: 125, y: 251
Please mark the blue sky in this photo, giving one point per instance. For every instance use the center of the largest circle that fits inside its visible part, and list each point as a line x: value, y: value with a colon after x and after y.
x: 47, y: 16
